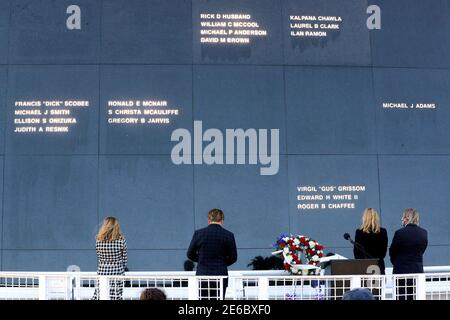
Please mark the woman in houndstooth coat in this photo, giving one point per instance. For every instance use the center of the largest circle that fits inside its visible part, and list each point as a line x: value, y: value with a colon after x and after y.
x: 111, y: 248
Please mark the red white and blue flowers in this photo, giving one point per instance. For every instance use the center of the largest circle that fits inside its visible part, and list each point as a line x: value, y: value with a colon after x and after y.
x: 292, y: 247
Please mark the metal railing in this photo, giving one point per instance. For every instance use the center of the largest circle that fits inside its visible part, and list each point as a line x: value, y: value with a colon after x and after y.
x: 242, y: 285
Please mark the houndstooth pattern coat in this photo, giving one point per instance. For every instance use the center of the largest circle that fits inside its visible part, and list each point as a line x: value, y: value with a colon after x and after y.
x: 112, y: 257
x: 112, y: 260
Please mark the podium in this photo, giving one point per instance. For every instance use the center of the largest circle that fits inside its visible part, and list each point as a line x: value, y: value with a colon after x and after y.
x: 352, y: 267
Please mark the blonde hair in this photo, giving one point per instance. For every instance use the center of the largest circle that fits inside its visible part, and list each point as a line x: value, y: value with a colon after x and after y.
x: 411, y: 215
x: 110, y: 230
x: 370, y: 221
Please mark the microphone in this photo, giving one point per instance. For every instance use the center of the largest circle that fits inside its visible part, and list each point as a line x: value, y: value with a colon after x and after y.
x: 357, y: 245
x: 347, y: 237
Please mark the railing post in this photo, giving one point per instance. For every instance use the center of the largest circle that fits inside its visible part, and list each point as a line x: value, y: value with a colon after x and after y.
x: 77, y: 283
x: 421, y: 293
x: 42, y: 287
x: 232, y: 287
x: 192, y: 288
x: 383, y: 280
x: 355, y: 282
x: 103, y: 288
x: 263, y: 286
x: 73, y: 284
x: 394, y: 287
x: 222, y: 289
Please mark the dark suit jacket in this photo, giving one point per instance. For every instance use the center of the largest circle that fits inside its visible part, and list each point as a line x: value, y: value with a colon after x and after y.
x: 407, y: 249
x: 214, y: 248
x: 375, y: 244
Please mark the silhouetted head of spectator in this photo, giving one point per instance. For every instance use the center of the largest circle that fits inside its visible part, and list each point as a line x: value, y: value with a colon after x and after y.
x: 153, y: 294
x: 188, y: 265
x: 358, y: 294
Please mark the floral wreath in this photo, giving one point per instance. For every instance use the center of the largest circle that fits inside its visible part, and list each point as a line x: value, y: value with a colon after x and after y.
x: 292, y: 247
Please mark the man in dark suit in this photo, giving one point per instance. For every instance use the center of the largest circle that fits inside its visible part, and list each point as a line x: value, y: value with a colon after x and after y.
x: 406, y: 251
x: 214, y: 248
